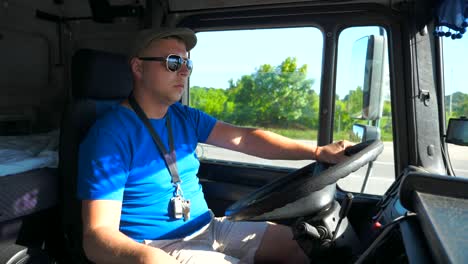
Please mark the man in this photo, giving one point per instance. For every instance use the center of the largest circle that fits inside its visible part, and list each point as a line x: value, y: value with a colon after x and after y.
x: 141, y: 199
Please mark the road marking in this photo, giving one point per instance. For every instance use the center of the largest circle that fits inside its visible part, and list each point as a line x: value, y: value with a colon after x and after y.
x: 372, y: 177
x: 384, y: 163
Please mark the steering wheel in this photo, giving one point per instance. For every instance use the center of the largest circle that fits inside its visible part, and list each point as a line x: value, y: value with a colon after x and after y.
x: 305, y: 191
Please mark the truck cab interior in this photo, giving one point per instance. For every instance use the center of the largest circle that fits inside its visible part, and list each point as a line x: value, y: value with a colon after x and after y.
x: 64, y: 63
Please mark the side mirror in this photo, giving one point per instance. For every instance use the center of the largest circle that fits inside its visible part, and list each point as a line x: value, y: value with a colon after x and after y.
x: 369, y: 57
x: 363, y: 133
x: 457, y: 131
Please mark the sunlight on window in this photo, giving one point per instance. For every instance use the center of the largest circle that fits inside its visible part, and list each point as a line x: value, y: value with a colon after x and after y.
x: 362, y: 64
x: 456, y: 95
x: 270, y: 79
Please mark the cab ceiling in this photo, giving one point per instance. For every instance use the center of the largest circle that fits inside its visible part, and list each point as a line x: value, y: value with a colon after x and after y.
x: 191, y: 5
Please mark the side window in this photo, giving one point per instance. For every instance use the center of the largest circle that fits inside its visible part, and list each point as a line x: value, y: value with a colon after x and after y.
x: 266, y: 78
x: 362, y: 105
x: 456, y: 96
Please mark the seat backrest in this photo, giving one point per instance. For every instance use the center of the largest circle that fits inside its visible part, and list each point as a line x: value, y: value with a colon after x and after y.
x: 100, y: 80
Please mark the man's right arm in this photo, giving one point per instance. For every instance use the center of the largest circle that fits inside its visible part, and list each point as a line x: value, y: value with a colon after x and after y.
x: 104, y: 243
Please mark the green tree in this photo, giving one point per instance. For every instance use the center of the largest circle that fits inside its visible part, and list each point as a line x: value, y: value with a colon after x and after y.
x: 348, y: 110
x: 354, y: 102
x: 273, y: 96
x: 211, y: 100
x: 341, y: 116
x: 310, y: 112
x: 456, y: 105
x: 387, y: 108
x: 386, y: 122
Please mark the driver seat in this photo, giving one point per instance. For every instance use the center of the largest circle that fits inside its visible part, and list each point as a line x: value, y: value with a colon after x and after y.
x: 100, y: 80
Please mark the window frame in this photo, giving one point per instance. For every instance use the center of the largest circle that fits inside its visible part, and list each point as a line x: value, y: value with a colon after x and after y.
x: 329, y: 20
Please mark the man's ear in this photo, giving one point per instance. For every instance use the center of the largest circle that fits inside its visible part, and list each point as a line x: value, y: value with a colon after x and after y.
x: 137, y: 67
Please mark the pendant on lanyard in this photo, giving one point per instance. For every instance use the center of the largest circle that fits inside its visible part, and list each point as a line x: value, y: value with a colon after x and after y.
x: 179, y: 206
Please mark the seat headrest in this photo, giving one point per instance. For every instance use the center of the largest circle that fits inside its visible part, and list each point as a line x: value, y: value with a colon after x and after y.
x: 100, y: 75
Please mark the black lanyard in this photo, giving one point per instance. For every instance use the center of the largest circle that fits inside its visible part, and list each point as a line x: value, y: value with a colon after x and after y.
x: 169, y: 157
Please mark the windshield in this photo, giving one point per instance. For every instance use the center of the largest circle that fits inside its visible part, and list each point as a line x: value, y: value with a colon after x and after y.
x: 456, y: 95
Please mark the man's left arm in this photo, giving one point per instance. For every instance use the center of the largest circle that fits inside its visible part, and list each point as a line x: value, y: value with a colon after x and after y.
x: 270, y: 145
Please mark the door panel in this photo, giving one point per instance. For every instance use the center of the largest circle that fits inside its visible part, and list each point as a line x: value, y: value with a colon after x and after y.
x: 224, y: 183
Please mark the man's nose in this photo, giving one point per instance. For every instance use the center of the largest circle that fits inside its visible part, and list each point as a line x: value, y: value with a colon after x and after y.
x: 184, y: 70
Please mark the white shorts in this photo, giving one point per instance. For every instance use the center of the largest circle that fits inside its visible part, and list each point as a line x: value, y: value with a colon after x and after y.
x: 220, y: 241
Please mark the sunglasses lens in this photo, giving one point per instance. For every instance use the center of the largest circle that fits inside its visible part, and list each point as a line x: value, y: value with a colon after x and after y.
x: 189, y: 65
x: 174, y: 63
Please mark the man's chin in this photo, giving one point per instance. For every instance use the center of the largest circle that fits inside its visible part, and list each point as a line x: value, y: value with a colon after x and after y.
x: 176, y: 99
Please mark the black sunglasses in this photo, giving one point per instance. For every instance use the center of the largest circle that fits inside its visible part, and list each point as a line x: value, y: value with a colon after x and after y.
x: 173, y: 62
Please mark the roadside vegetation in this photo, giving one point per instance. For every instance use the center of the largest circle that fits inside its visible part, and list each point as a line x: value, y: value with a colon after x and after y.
x: 282, y: 99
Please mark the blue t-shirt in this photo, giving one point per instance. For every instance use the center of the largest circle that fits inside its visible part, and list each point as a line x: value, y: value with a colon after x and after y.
x: 119, y: 160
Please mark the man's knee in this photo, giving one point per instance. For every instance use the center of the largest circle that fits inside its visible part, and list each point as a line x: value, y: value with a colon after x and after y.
x: 278, y: 246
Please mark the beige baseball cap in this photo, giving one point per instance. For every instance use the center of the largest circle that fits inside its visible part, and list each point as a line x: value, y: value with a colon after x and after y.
x: 145, y: 37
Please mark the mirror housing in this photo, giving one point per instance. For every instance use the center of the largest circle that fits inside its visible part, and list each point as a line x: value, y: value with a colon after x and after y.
x: 372, y: 97
x: 369, y: 57
x: 363, y: 133
x: 457, y: 131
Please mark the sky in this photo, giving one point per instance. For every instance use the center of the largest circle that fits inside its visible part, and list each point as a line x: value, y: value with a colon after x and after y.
x: 223, y: 55
x: 456, y: 64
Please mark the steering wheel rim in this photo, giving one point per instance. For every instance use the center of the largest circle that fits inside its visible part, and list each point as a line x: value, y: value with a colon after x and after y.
x: 303, y: 192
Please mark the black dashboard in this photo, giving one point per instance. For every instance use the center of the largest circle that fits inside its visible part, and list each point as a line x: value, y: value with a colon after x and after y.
x: 423, y: 218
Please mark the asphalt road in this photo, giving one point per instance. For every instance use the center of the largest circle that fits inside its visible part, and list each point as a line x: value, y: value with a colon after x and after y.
x: 381, y: 177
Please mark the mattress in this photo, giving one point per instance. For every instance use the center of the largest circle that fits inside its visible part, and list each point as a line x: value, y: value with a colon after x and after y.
x: 29, y: 152
x: 27, y: 193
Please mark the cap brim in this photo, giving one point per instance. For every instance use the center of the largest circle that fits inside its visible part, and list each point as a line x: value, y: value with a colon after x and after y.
x: 146, y: 37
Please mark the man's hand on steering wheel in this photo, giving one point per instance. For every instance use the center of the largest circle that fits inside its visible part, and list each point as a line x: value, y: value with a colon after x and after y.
x: 308, y: 190
x: 332, y: 153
